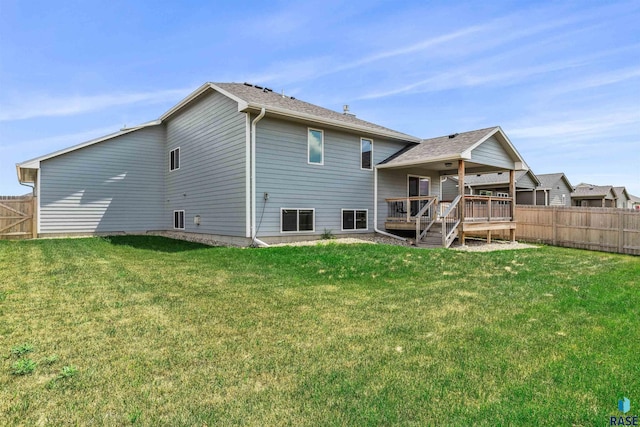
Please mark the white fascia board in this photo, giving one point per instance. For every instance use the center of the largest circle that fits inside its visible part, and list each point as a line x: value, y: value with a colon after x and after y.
x: 334, y: 123
x: 185, y: 101
x: 422, y: 162
x: 240, y: 101
x: 519, y: 159
x: 35, y: 162
x: 521, y: 166
x: 533, y: 175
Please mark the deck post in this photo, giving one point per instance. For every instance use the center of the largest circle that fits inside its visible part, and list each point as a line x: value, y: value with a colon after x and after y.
x: 512, y: 190
x: 462, y: 202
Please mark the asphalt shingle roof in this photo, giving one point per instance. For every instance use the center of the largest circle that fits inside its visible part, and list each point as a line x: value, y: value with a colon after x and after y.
x: 267, y: 98
x: 441, y: 147
x: 548, y: 180
x: 592, y: 191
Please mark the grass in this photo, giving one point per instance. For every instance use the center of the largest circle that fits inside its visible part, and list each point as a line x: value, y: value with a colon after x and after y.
x: 150, y: 331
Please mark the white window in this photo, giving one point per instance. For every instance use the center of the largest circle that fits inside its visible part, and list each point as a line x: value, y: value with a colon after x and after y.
x: 297, y: 220
x: 366, y: 153
x: 315, y: 147
x: 174, y: 159
x: 354, y: 219
x: 178, y: 220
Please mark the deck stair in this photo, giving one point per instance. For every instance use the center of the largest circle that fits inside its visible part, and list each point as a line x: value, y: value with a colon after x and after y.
x: 433, y: 238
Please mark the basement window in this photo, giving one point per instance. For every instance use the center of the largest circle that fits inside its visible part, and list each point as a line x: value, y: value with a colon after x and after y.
x: 353, y: 219
x: 297, y: 220
x: 174, y: 159
x: 178, y: 220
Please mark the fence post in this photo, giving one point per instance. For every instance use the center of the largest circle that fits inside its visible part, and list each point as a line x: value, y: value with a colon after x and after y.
x: 34, y: 220
x: 621, y: 218
x: 554, y: 225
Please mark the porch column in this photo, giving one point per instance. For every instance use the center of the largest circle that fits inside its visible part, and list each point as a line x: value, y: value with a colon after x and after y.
x: 461, y: 193
x: 512, y: 190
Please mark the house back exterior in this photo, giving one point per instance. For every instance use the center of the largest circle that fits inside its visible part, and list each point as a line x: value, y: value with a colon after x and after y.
x: 238, y: 162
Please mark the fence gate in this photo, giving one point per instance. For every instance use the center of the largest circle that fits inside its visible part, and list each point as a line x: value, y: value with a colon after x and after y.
x: 17, y: 217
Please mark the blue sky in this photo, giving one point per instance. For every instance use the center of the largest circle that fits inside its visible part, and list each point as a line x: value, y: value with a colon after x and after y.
x: 561, y: 78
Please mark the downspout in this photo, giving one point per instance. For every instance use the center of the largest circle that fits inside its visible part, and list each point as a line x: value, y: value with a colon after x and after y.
x: 35, y: 189
x: 254, y: 240
x: 375, y: 208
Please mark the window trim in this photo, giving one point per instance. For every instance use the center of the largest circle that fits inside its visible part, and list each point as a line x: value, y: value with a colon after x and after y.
x: 298, y: 231
x: 354, y: 220
x: 177, y: 149
x: 183, y: 219
x: 361, y: 153
x: 428, y: 178
x: 309, y: 129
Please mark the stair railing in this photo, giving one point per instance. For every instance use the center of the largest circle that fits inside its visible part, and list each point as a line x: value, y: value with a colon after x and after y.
x: 427, y: 219
x: 450, y: 222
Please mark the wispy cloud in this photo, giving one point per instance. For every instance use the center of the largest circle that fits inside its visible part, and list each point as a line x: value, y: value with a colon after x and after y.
x: 563, y: 129
x: 28, y: 107
x: 56, y: 142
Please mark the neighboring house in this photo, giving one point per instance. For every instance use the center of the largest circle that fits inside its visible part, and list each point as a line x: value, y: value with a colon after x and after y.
x: 554, y: 190
x: 634, y: 202
x: 494, y: 184
x: 588, y: 195
x: 623, y: 201
x: 240, y: 163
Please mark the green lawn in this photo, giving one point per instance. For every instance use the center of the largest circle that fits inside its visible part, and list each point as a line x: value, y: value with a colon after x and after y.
x: 151, y: 331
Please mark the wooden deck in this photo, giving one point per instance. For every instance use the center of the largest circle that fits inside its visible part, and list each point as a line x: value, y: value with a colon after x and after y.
x: 483, y: 215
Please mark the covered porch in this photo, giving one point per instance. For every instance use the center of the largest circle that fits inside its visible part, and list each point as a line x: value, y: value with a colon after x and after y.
x: 438, y: 218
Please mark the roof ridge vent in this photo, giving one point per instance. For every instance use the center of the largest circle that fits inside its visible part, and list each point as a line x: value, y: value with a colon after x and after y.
x: 453, y: 135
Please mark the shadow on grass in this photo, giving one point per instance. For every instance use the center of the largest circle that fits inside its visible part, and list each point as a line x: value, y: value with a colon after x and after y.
x: 154, y: 243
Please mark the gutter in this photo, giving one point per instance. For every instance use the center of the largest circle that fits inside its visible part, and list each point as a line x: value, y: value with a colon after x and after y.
x: 255, y: 121
x: 375, y: 208
x: 333, y: 123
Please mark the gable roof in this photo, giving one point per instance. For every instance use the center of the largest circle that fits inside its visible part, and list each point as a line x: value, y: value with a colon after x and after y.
x: 253, y: 98
x: 596, y: 191
x: 621, y: 191
x: 35, y: 162
x: 249, y: 98
x: 548, y: 180
x: 450, y: 147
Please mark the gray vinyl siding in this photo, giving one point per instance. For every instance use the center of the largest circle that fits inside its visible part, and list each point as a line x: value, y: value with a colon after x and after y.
x: 525, y: 181
x: 492, y: 153
x: 555, y: 194
x: 211, y: 179
x: 393, y: 183
x: 449, y: 189
x: 116, y: 185
x: 282, y: 171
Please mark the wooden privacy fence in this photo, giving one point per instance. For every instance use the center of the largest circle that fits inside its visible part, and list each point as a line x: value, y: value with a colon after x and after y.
x: 17, y: 217
x: 597, y: 229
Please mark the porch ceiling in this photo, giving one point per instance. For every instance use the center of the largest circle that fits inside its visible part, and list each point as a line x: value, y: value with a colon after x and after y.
x: 448, y: 167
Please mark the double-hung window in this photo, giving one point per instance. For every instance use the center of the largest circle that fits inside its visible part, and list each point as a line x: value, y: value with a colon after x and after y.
x: 174, y: 159
x: 354, y: 219
x: 366, y: 153
x: 178, y: 220
x: 315, y: 147
x: 297, y: 220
